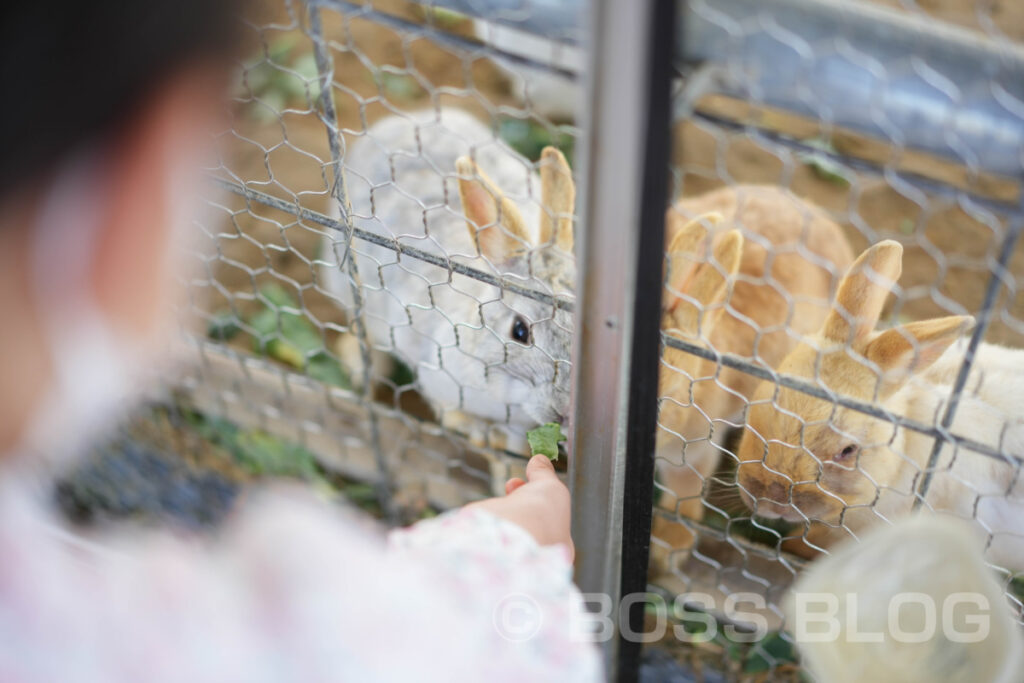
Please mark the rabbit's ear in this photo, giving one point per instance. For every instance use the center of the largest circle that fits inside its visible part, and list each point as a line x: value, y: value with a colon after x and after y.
x: 558, y: 199
x: 912, y: 348
x: 693, y: 290
x: 862, y: 294
x: 494, y: 221
x: 685, y: 246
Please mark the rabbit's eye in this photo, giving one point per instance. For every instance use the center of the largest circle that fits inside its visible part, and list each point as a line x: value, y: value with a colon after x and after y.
x: 521, y: 330
x: 847, y: 453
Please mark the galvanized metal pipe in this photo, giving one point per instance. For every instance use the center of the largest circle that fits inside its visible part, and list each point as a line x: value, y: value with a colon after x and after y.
x: 623, y: 169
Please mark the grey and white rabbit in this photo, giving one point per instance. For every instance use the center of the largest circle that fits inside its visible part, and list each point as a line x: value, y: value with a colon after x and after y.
x: 443, y: 183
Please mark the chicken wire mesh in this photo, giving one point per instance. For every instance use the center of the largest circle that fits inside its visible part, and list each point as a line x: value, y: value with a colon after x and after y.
x: 387, y: 276
x: 808, y: 127
x: 395, y: 395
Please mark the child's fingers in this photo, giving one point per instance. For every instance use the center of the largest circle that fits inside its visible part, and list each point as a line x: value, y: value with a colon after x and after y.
x: 512, y: 484
x: 539, y: 467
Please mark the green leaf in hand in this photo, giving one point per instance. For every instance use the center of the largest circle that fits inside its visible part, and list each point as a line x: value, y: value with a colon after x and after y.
x: 544, y: 440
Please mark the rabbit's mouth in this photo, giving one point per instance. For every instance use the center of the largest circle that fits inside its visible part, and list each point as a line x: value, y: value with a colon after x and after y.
x: 771, y: 510
x: 804, y: 507
x: 547, y: 414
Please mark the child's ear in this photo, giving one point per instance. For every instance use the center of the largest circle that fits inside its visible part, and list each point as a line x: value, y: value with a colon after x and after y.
x: 914, y: 347
x: 558, y: 199
x: 494, y: 221
x: 862, y: 294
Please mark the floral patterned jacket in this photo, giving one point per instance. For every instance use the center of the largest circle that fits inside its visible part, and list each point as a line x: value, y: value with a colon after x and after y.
x: 291, y: 589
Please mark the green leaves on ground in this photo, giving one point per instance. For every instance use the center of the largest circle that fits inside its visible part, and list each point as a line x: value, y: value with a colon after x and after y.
x: 278, y: 330
x: 399, y: 86
x: 773, y: 650
x: 445, y: 18
x: 822, y: 163
x: 223, y: 326
x: 544, y: 440
x: 529, y: 138
x: 278, y: 77
x: 258, y: 453
x: 292, y: 339
x: 263, y: 455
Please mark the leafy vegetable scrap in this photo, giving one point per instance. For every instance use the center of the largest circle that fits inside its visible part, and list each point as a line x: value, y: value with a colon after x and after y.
x: 544, y: 440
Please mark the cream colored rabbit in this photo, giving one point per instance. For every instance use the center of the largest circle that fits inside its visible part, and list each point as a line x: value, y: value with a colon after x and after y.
x: 806, y: 459
x: 792, y: 258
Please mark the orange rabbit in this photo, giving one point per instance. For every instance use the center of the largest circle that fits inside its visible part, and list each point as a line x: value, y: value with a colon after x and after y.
x: 787, y: 265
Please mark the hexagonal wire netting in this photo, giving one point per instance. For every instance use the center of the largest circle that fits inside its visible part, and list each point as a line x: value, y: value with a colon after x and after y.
x: 344, y: 345
x: 388, y: 279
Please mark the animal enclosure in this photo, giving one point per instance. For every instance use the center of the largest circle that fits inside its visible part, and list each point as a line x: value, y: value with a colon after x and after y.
x: 437, y: 226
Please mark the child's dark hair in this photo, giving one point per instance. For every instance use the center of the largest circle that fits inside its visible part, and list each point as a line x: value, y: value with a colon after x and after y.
x: 71, y: 71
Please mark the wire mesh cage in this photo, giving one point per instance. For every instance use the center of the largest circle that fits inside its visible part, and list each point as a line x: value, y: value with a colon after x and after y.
x: 389, y: 352
x: 831, y: 144
x: 390, y: 275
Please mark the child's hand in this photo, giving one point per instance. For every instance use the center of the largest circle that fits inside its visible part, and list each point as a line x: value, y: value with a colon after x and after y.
x: 540, y: 504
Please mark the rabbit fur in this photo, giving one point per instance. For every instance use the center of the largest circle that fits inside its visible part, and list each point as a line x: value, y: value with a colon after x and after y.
x: 408, y: 179
x: 792, y: 257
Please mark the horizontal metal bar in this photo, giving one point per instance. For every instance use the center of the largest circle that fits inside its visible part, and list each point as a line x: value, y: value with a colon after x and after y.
x: 728, y: 360
x: 805, y: 387
x: 444, y: 38
x: 388, y: 243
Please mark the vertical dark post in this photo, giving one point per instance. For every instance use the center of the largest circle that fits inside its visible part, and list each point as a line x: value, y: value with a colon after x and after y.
x: 622, y: 166
x: 644, y: 363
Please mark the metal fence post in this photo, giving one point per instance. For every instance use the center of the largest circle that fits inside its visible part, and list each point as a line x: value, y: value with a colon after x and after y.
x: 624, y: 172
x: 985, y: 315
x: 325, y: 70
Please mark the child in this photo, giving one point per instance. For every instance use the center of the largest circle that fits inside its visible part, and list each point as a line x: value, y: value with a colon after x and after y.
x: 103, y: 139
